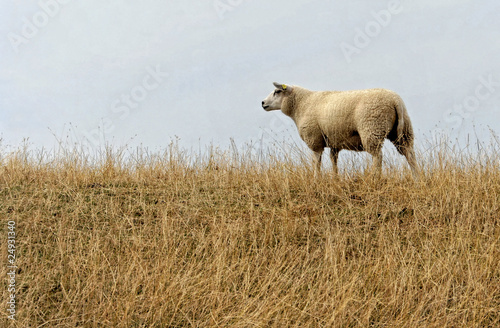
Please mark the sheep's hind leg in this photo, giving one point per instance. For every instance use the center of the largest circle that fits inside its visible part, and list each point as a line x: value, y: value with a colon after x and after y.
x: 374, y: 147
x: 334, y: 156
x: 410, y: 157
x: 408, y: 152
x: 317, y: 162
x: 377, y: 161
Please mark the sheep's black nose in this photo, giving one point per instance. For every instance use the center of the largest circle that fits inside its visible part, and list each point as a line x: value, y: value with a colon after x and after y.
x: 262, y: 103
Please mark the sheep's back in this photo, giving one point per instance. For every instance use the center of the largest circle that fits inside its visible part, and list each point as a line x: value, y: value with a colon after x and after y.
x: 340, y: 115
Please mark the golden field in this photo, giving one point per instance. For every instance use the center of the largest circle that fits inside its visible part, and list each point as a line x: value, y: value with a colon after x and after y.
x: 225, y: 240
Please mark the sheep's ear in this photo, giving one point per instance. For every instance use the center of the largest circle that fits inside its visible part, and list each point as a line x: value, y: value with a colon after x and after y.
x: 283, y: 87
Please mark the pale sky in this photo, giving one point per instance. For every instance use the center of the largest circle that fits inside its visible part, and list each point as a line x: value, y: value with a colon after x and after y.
x: 149, y: 72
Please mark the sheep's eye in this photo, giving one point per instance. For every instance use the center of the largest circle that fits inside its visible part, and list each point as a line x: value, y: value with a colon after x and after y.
x: 277, y: 91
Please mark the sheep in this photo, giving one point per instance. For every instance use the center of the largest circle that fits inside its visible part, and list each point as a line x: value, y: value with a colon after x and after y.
x: 358, y: 120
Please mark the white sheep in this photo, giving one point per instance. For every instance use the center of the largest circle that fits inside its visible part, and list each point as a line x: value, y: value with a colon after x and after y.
x: 358, y: 120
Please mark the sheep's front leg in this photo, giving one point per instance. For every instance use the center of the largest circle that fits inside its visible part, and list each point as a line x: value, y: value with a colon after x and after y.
x: 317, y: 161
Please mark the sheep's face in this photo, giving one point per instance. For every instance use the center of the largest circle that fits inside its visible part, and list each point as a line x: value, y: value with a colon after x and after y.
x: 275, y: 98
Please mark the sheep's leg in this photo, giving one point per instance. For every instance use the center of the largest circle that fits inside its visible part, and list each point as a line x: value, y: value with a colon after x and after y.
x: 334, y: 156
x: 407, y: 151
x: 410, y: 157
x: 373, y: 146
x: 317, y: 161
x: 377, y: 161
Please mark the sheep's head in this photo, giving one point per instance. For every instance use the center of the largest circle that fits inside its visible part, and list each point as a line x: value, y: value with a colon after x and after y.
x: 275, y: 99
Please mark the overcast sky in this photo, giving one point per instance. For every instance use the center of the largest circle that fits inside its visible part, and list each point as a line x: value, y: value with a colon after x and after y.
x: 148, y: 72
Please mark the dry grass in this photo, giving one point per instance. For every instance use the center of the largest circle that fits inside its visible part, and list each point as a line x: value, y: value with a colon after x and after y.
x: 221, y: 240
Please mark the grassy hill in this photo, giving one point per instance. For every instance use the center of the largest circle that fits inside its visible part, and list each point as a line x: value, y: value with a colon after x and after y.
x: 221, y: 240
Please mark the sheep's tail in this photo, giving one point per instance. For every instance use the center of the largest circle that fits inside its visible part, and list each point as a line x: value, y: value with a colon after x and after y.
x: 400, y: 111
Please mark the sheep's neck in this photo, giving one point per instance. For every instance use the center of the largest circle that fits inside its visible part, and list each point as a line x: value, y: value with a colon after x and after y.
x: 288, y: 107
x: 290, y: 104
